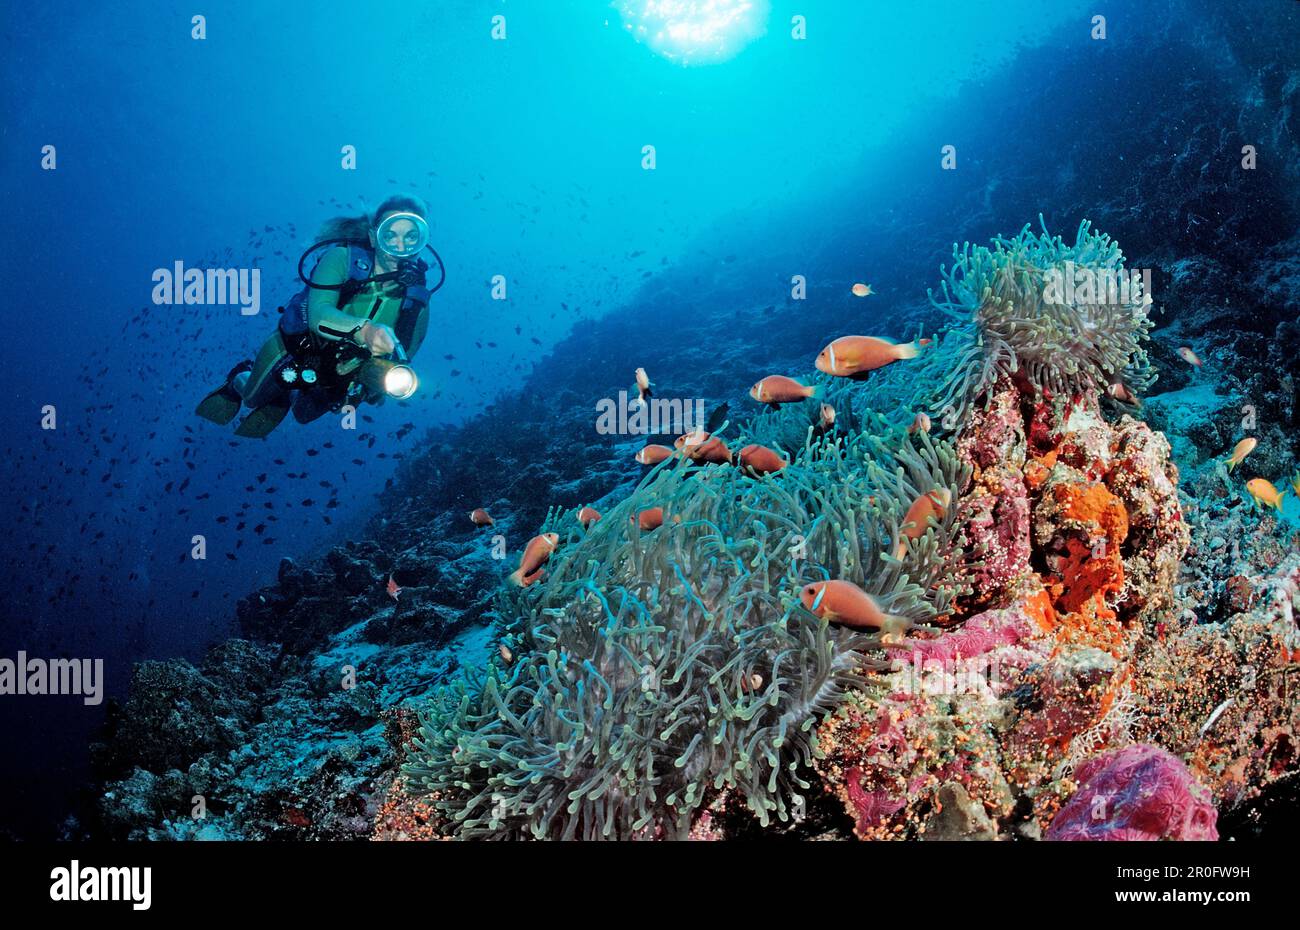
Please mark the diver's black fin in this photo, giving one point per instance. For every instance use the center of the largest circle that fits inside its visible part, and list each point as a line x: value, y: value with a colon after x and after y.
x: 221, y: 406
x: 259, y: 423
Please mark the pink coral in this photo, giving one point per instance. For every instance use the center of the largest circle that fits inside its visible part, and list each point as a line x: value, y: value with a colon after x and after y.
x: 1136, y: 793
x: 977, y: 636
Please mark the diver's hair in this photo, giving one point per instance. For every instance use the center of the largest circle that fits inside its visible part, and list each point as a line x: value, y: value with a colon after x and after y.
x: 358, y: 227
x: 401, y: 203
x: 344, y: 227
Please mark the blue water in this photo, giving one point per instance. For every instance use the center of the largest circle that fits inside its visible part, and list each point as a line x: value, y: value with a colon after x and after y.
x: 226, y: 152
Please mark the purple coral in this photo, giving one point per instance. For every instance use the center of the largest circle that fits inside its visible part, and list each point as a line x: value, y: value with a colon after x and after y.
x: 1136, y: 793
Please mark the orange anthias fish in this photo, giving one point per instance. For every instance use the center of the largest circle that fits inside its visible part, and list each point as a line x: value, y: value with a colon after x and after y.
x: 1240, y: 451
x: 862, y: 290
x: 394, y: 588
x: 587, y: 516
x: 644, y: 388
x: 845, y: 603
x: 1188, y: 356
x: 856, y: 356
x: 653, y: 454
x: 761, y: 459
x: 536, y: 553
x: 778, y: 389
x: 934, y: 504
x: 479, y: 517
x: 1265, y: 494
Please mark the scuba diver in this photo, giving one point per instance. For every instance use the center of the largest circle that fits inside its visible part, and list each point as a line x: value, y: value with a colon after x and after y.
x: 346, y: 337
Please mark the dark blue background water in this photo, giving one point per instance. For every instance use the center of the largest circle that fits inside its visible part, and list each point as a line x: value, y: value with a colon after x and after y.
x: 225, y: 152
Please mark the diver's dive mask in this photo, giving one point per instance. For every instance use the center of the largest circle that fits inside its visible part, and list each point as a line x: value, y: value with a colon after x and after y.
x: 402, y: 235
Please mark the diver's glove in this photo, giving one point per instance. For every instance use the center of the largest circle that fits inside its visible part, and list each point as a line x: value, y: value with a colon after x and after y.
x: 378, y: 338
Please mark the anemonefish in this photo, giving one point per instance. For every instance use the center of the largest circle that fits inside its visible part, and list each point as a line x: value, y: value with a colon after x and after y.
x: 920, y: 424
x: 479, y: 517
x: 1239, y: 452
x: 653, y: 454
x: 699, y: 446
x: 1121, y: 393
x: 827, y: 418
x: 917, y: 520
x: 536, y: 553
x: 855, y: 356
x: 761, y: 459
x: 1264, y: 493
x: 394, y: 588
x: 862, y: 290
x: 587, y: 516
x: 778, y: 389
x: 845, y: 603
x: 1188, y: 356
x: 651, y: 518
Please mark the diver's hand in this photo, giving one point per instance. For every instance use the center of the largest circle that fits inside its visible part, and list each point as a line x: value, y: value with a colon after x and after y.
x: 376, y: 337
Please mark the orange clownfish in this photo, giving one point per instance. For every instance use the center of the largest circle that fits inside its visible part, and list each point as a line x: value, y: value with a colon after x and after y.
x: 778, y: 389
x: 587, y: 516
x: 934, y: 504
x: 653, y: 454
x: 1121, y: 393
x: 856, y: 356
x: 479, y: 517
x: 536, y: 553
x: 699, y: 446
x: 845, y: 603
x: 651, y: 519
x: 761, y: 459
x: 920, y: 424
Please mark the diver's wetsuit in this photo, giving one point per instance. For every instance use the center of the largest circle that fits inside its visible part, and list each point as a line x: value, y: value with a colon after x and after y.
x: 378, y: 302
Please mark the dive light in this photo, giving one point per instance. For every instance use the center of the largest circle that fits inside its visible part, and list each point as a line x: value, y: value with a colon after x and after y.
x: 391, y: 376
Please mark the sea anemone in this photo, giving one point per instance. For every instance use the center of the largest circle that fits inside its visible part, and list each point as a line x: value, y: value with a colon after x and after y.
x: 1065, y: 319
x: 652, y: 668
